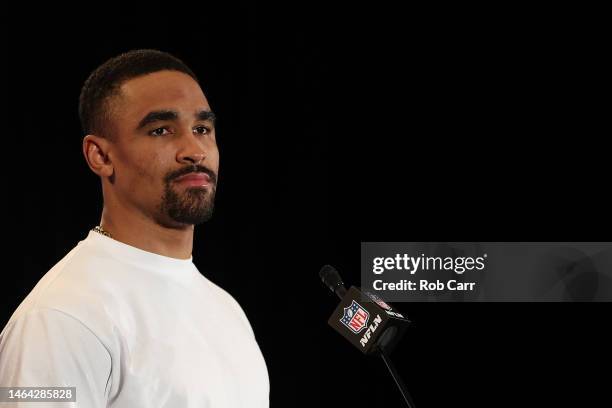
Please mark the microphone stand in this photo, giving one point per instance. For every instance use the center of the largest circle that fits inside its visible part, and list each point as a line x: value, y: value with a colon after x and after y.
x: 397, y: 378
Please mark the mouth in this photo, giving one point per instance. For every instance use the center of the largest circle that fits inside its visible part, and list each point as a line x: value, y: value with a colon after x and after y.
x: 194, y: 180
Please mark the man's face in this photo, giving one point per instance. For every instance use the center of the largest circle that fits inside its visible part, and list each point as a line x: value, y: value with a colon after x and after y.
x: 164, y: 151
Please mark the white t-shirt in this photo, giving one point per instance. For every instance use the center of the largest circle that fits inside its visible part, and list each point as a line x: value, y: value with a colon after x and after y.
x: 130, y: 328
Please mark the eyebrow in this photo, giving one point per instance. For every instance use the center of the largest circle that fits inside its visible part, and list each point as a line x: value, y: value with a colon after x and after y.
x: 165, y: 115
x: 206, y: 115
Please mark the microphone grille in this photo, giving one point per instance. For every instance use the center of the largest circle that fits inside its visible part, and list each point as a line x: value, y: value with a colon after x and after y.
x: 330, y: 277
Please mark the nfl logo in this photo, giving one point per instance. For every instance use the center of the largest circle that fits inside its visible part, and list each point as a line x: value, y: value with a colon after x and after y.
x: 382, y: 304
x: 355, y: 317
x: 378, y: 301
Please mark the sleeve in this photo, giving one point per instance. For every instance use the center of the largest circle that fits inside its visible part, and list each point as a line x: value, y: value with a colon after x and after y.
x: 49, y: 348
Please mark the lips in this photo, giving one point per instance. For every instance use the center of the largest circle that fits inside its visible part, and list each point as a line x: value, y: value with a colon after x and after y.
x: 194, y: 180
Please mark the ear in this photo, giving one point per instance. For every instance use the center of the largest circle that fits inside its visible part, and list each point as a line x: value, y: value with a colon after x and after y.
x: 95, y: 149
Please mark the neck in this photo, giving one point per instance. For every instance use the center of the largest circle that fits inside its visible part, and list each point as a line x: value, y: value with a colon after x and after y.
x: 141, y: 232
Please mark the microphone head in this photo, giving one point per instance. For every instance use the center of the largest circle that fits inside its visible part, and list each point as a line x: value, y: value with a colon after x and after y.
x: 331, y: 278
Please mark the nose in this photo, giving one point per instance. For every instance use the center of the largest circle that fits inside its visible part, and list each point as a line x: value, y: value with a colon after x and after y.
x: 191, y: 152
x: 193, y: 158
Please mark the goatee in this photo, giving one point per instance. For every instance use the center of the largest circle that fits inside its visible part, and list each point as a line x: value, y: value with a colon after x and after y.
x: 192, y: 205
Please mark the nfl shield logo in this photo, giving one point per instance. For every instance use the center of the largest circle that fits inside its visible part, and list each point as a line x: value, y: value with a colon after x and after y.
x: 355, y: 317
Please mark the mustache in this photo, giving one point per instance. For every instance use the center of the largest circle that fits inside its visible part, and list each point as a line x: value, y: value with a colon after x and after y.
x: 196, y: 168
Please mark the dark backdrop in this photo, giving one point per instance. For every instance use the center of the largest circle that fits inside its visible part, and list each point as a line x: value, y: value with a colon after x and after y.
x: 337, y: 128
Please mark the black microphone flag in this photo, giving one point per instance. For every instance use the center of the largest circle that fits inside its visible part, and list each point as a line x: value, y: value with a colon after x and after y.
x: 367, y: 321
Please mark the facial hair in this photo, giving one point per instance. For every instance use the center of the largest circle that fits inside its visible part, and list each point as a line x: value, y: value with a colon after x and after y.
x: 192, y: 205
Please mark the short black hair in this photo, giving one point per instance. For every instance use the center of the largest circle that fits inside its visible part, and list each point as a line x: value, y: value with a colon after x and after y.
x: 105, y: 81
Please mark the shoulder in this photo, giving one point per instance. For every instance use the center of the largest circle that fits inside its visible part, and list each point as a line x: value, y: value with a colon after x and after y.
x: 69, y: 290
x: 226, y: 299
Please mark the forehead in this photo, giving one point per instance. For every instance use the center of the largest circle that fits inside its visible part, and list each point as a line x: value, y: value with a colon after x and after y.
x: 171, y: 90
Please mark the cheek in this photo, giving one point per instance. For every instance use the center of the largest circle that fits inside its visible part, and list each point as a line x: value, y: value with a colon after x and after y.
x: 146, y: 172
x: 213, y: 158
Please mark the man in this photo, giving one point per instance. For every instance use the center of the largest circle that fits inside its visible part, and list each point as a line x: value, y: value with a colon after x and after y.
x: 126, y: 317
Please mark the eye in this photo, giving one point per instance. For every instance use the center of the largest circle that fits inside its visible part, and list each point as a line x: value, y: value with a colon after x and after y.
x: 159, y: 131
x: 201, y: 129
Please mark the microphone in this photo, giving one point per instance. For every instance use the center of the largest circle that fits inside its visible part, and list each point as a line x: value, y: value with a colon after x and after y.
x: 367, y: 322
x: 363, y: 318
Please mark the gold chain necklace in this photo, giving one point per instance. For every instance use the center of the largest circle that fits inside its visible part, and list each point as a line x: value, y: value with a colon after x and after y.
x: 102, y: 231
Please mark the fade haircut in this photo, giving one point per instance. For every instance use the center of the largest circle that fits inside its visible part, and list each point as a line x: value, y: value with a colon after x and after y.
x: 105, y: 82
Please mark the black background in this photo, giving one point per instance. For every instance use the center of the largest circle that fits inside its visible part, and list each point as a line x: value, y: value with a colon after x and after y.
x: 339, y: 127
